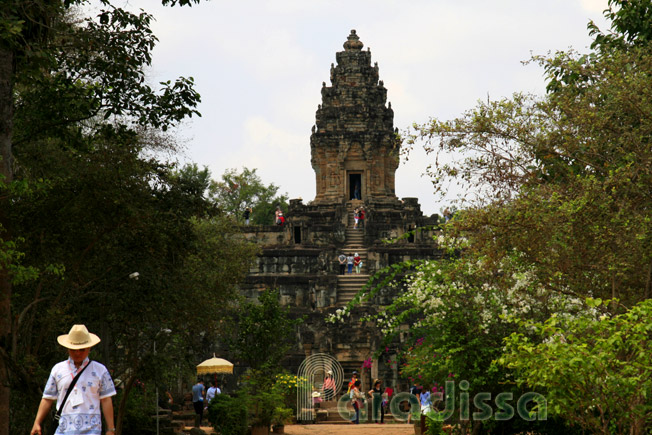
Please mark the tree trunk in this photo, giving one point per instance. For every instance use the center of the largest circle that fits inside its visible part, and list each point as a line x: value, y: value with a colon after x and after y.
x: 6, y: 173
x: 648, y: 281
x: 122, y: 407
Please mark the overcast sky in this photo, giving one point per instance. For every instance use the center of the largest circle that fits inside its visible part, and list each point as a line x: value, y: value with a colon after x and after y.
x: 259, y: 67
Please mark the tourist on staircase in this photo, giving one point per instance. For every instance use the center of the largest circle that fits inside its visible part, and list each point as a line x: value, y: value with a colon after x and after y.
x: 198, y: 393
x: 246, y: 215
x: 354, y: 377
x: 349, y: 263
x: 329, y: 386
x: 357, y: 263
x: 342, y: 260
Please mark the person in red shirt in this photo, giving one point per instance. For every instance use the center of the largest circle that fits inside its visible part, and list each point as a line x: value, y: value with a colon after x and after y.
x: 357, y: 263
x: 329, y: 386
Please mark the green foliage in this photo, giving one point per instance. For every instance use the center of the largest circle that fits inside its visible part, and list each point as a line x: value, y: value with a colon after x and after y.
x: 562, y: 213
x: 238, y: 190
x: 262, y: 333
x: 596, y: 373
x: 433, y: 427
x: 189, y: 187
x: 282, y: 416
x: 286, y: 385
x: 228, y: 415
x: 262, y: 406
x: 568, y: 175
x: 90, y: 205
x: 262, y: 398
x: 458, y: 312
x: 96, y: 72
x: 631, y: 24
x: 138, y: 418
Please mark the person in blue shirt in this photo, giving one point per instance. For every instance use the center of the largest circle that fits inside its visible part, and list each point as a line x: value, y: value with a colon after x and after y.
x: 198, y: 399
x: 426, y: 403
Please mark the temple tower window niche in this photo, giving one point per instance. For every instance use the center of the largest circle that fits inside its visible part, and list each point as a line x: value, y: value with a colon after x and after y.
x: 355, y: 185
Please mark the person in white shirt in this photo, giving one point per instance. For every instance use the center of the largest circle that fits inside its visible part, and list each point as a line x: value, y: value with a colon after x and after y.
x: 94, y: 388
x: 212, y: 391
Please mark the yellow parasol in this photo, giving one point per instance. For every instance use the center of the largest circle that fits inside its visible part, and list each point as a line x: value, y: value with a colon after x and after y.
x: 215, y: 365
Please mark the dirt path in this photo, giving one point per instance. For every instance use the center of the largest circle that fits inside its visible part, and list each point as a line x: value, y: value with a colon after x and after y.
x: 339, y: 429
x: 350, y: 429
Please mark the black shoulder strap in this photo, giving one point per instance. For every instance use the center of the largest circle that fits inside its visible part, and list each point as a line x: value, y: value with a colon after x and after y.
x: 57, y: 415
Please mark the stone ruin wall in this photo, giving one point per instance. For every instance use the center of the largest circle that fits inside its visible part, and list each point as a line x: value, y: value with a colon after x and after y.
x: 305, y: 274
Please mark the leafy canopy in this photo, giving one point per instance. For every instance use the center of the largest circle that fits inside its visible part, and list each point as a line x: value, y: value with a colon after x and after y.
x: 237, y: 191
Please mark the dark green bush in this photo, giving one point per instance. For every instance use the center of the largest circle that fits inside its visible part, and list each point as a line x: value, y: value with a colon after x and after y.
x: 433, y: 427
x: 228, y: 415
x: 138, y: 415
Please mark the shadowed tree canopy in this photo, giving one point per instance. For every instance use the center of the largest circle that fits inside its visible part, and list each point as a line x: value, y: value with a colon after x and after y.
x: 82, y: 205
x: 262, y: 332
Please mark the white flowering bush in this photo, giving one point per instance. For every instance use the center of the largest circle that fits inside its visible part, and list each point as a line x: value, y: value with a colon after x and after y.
x: 459, y: 310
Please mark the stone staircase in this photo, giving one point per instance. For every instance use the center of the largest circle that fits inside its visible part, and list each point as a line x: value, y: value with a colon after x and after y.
x: 327, y: 414
x: 184, y: 419
x: 348, y: 285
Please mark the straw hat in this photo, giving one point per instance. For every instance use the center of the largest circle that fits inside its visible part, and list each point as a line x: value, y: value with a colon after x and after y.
x: 316, y: 394
x: 78, y: 338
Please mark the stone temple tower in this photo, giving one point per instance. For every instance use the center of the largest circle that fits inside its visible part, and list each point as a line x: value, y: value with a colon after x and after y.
x: 355, y: 154
x: 354, y: 147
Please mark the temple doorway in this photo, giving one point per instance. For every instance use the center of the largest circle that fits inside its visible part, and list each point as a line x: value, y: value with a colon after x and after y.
x: 355, y: 185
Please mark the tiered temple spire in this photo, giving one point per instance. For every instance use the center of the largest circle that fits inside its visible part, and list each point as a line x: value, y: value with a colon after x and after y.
x: 353, y: 144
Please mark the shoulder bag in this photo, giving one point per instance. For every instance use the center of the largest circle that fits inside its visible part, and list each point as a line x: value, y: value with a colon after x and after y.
x: 57, y: 415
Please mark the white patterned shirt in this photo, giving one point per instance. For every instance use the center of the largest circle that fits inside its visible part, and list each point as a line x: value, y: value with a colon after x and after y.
x: 92, y: 386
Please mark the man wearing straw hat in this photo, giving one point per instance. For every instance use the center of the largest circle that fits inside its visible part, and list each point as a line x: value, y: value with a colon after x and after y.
x: 81, y: 411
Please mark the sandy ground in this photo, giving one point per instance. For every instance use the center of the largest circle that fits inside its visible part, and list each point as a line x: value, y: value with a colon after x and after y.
x: 341, y: 429
x: 350, y: 429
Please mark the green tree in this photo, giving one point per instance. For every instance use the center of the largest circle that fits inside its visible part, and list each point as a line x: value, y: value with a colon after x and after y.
x: 263, y: 333
x: 563, y: 212
x: 596, y: 372
x: 120, y: 214
x: 457, y: 312
x: 239, y: 190
x: 567, y: 176
x: 564, y: 186
x: 82, y: 172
